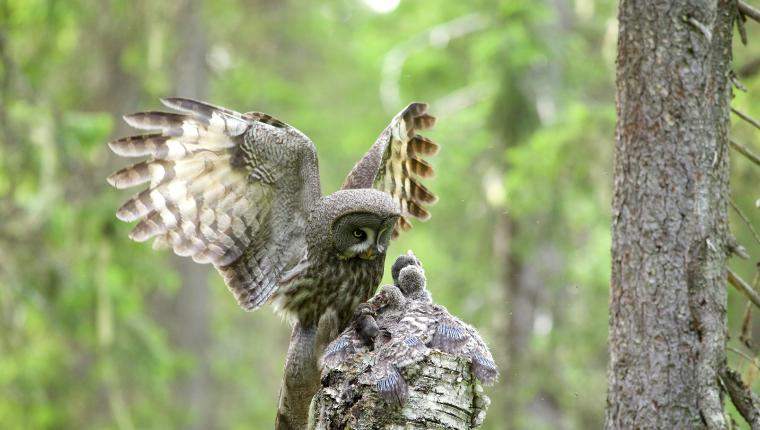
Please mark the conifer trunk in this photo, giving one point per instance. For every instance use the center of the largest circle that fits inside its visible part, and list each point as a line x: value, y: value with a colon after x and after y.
x: 667, y: 329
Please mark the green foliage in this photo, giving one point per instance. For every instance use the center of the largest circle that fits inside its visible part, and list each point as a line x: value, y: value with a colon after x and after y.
x: 90, y: 322
x: 86, y: 340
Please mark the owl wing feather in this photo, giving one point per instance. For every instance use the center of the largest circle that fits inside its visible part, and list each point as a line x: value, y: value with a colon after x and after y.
x: 397, y: 354
x: 210, y: 199
x: 394, y: 164
x: 339, y: 350
x: 449, y: 336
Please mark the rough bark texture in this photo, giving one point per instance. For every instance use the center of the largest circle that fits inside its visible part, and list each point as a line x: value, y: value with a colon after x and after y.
x: 443, y: 394
x: 670, y: 234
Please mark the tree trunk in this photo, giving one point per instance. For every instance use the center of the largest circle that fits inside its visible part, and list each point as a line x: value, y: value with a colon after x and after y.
x: 670, y: 230
x: 190, y: 316
x: 443, y: 394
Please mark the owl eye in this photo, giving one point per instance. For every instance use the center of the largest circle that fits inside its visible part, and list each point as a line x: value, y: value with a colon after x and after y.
x: 359, y: 234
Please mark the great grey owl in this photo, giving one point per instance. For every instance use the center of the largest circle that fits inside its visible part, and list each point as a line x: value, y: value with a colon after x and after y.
x: 398, y: 327
x: 242, y: 191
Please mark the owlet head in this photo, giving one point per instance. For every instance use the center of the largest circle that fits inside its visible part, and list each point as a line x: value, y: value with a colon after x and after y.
x: 411, y: 282
x: 401, y: 262
x: 363, y: 234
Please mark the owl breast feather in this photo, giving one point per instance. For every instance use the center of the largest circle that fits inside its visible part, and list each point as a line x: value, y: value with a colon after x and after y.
x: 337, y: 285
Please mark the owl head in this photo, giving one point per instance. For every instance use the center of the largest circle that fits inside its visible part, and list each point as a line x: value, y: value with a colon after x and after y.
x: 362, y: 234
x: 355, y: 223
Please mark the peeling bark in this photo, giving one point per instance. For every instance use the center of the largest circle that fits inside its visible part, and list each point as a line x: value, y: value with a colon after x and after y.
x: 670, y: 229
x: 443, y: 394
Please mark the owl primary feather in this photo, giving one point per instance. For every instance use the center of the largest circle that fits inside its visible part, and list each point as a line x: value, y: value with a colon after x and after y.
x: 242, y: 192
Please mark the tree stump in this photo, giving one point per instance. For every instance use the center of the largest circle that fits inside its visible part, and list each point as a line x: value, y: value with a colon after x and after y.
x: 443, y: 394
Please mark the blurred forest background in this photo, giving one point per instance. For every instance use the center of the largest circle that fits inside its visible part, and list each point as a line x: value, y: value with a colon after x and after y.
x: 99, y: 332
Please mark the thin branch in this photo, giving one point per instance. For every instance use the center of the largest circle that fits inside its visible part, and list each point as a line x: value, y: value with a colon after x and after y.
x: 745, y: 152
x: 746, y: 220
x: 736, y: 82
x: 737, y: 249
x: 743, y: 286
x: 740, y: 20
x: 746, y: 117
x: 699, y: 26
x: 742, y: 397
x: 748, y: 10
x: 743, y: 355
x: 745, y: 336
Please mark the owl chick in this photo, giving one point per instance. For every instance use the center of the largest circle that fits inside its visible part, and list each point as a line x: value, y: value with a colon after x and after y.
x: 365, y: 324
x: 370, y: 321
x: 441, y: 330
x: 388, y: 305
x: 408, y: 259
x: 410, y: 330
x: 364, y: 330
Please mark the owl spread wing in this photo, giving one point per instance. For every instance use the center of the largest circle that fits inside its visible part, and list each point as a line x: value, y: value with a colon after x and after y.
x: 394, y: 164
x: 217, y: 180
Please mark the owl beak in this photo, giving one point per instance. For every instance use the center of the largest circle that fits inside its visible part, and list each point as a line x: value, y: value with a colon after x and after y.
x: 369, y: 254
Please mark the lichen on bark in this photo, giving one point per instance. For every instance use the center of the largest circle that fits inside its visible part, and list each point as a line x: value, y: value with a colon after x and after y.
x: 443, y: 394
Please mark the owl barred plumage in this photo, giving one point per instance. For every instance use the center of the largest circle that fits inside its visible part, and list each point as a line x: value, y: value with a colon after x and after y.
x: 241, y: 191
x: 328, y: 279
x: 408, y: 329
x: 238, y: 190
x: 204, y: 206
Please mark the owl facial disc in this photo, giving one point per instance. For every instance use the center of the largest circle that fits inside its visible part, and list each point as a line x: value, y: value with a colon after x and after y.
x: 363, y: 235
